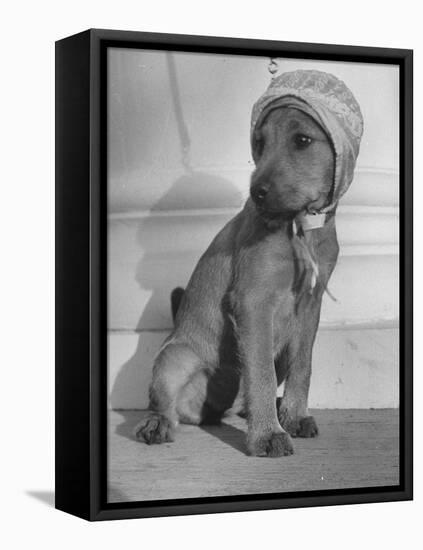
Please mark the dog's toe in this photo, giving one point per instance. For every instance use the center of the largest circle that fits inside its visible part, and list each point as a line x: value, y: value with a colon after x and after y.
x: 307, y: 427
x: 155, y: 428
x: 302, y: 426
x: 272, y: 445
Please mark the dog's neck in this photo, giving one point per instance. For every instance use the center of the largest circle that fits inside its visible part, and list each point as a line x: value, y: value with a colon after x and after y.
x: 305, y: 231
x: 301, y: 224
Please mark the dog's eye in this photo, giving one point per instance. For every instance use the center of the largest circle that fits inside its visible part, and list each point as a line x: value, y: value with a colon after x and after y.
x: 302, y: 141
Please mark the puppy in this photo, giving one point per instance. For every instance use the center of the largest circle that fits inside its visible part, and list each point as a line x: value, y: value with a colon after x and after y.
x: 249, y: 315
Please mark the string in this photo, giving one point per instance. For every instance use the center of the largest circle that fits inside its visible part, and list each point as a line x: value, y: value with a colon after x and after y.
x: 303, y: 247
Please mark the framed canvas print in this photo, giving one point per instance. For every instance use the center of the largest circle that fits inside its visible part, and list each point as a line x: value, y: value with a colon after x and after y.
x: 234, y: 274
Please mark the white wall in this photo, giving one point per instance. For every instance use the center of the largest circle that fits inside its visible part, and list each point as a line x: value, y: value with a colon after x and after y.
x: 162, y: 216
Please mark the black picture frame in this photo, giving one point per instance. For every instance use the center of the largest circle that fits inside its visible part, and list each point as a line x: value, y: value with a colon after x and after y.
x: 81, y: 274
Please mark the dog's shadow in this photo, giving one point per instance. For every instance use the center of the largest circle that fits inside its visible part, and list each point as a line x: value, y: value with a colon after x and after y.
x: 211, y: 191
x: 228, y: 434
x: 224, y: 432
x: 133, y: 376
x: 156, y: 320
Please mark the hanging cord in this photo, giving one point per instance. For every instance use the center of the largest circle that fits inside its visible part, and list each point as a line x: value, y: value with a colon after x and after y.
x: 273, y: 67
x: 180, y: 121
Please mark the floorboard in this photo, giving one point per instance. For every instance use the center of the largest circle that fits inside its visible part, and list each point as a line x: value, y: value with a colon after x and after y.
x: 355, y: 448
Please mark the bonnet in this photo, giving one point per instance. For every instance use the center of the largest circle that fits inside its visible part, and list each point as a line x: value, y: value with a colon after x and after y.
x: 330, y: 103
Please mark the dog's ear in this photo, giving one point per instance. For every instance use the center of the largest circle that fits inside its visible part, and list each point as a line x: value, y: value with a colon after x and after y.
x: 175, y: 300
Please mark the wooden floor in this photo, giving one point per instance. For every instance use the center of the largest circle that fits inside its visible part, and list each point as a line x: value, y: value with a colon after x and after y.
x: 355, y: 448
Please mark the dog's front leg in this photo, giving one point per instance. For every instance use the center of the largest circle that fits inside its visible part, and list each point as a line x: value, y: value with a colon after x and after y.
x: 292, y: 407
x: 255, y: 343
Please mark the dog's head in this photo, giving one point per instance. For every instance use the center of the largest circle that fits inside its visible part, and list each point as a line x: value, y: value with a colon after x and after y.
x: 295, y: 164
x: 305, y: 135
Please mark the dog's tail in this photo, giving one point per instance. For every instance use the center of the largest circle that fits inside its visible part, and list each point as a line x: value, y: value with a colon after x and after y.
x: 175, y: 300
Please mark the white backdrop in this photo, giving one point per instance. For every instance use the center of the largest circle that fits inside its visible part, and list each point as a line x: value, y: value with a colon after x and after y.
x: 27, y: 289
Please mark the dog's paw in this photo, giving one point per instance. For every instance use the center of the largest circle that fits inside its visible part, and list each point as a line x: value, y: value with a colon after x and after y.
x: 303, y: 426
x: 307, y: 427
x: 273, y: 445
x: 155, y: 428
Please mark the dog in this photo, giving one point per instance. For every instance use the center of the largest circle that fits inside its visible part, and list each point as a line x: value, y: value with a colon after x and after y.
x: 248, y: 317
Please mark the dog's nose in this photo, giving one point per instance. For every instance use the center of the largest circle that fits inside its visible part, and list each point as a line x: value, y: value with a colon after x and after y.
x: 258, y: 194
